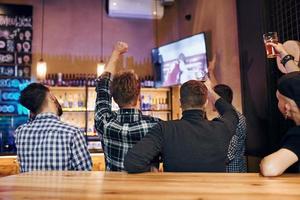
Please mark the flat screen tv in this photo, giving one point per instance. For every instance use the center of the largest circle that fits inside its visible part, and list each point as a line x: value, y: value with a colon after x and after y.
x: 180, y: 61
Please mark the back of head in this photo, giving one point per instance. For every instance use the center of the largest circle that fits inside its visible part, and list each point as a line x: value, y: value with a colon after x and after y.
x: 224, y: 91
x: 33, y: 97
x: 193, y: 94
x: 289, y: 86
x: 125, y: 89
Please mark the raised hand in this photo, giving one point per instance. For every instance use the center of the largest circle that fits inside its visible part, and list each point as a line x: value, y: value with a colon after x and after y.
x: 121, y: 47
x: 212, y: 63
x: 279, y: 48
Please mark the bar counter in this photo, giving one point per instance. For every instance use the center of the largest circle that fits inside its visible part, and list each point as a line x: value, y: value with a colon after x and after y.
x: 118, y: 185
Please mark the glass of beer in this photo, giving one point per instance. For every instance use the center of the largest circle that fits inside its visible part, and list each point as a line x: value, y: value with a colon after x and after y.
x: 270, y: 37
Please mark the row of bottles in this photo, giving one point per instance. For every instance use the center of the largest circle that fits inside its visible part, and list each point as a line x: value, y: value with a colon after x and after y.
x: 147, y: 81
x: 80, y: 80
x: 75, y: 80
x: 149, y: 102
x: 76, y: 101
x: 72, y: 101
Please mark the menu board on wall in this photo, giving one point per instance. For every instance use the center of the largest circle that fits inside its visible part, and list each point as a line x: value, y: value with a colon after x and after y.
x: 15, y: 40
x: 15, y: 56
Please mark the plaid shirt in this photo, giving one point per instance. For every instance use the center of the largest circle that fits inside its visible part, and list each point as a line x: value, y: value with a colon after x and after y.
x: 236, y: 149
x: 46, y: 143
x: 120, y: 130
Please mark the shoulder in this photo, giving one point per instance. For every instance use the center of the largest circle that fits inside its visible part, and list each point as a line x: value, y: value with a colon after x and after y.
x: 68, y: 127
x: 291, y: 140
x: 151, y: 119
x: 293, y: 132
x: 21, y: 127
x: 170, y: 123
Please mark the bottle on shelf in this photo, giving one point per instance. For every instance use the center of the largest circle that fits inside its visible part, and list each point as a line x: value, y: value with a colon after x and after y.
x: 65, y: 101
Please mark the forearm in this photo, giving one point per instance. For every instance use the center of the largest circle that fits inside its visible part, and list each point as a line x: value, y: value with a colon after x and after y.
x: 213, y: 96
x: 212, y: 78
x: 103, y: 100
x: 140, y: 157
x: 290, y: 66
x: 112, y: 63
x: 276, y: 163
x: 229, y: 115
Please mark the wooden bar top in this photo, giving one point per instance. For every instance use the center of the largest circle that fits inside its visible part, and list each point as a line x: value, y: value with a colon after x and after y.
x: 117, y: 185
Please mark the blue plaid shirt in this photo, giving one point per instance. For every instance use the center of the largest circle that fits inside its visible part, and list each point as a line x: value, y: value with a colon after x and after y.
x: 46, y: 143
x: 119, y: 130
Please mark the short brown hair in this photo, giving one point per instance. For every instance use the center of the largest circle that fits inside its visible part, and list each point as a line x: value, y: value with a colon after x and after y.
x: 193, y: 94
x: 125, y: 88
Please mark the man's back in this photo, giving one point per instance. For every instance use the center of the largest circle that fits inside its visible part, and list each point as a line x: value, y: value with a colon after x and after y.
x: 46, y: 143
x: 119, y: 130
x: 192, y: 144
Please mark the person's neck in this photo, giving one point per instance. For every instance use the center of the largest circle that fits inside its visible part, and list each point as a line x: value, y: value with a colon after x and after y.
x: 48, y: 110
x: 199, y: 108
x: 129, y: 107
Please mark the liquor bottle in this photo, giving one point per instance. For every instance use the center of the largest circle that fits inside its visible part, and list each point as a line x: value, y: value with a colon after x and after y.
x: 71, y: 101
x: 66, y: 103
x: 76, y: 81
x: 80, y: 101
x: 52, y: 82
x: 152, y: 81
x: 59, y: 79
x: 75, y: 102
x: 142, y: 82
x: 147, y: 81
x: 142, y: 102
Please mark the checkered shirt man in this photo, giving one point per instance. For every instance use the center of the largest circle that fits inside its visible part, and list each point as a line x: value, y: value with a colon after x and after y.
x: 120, y: 130
x: 46, y: 143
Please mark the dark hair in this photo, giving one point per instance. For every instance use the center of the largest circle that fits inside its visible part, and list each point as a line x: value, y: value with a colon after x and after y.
x: 193, y: 94
x: 125, y: 88
x: 288, y: 85
x: 225, y: 92
x: 33, y: 96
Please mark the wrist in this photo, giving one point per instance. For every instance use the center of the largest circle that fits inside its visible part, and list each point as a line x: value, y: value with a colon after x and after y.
x: 283, y: 54
x: 286, y: 59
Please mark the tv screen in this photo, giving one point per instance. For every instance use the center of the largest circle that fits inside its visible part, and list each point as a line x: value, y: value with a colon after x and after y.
x: 180, y: 61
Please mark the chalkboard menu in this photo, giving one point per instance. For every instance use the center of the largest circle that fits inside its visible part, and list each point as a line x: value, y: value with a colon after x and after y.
x: 15, y: 40
x: 15, y: 55
x: 15, y: 69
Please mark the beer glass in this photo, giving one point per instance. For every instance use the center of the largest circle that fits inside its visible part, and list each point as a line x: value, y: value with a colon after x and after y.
x: 270, y: 37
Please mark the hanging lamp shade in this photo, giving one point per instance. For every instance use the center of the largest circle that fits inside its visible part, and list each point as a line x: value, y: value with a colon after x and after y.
x: 100, y: 68
x: 41, y: 70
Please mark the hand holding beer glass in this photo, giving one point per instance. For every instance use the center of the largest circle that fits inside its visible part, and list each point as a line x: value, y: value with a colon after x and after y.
x: 270, y: 37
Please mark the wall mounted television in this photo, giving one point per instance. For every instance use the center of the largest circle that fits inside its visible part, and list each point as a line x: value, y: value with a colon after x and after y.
x: 180, y: 61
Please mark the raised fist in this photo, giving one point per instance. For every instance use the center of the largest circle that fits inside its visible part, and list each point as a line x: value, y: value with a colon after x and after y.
x: 121, y: 47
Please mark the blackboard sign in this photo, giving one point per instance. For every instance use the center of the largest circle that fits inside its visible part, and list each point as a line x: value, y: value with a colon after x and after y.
x: 15, y: 40
x: 15, y: 56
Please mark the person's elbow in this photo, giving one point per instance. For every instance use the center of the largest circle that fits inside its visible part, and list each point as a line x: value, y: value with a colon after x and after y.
x: 131, y: 165
x: 269, y: 168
